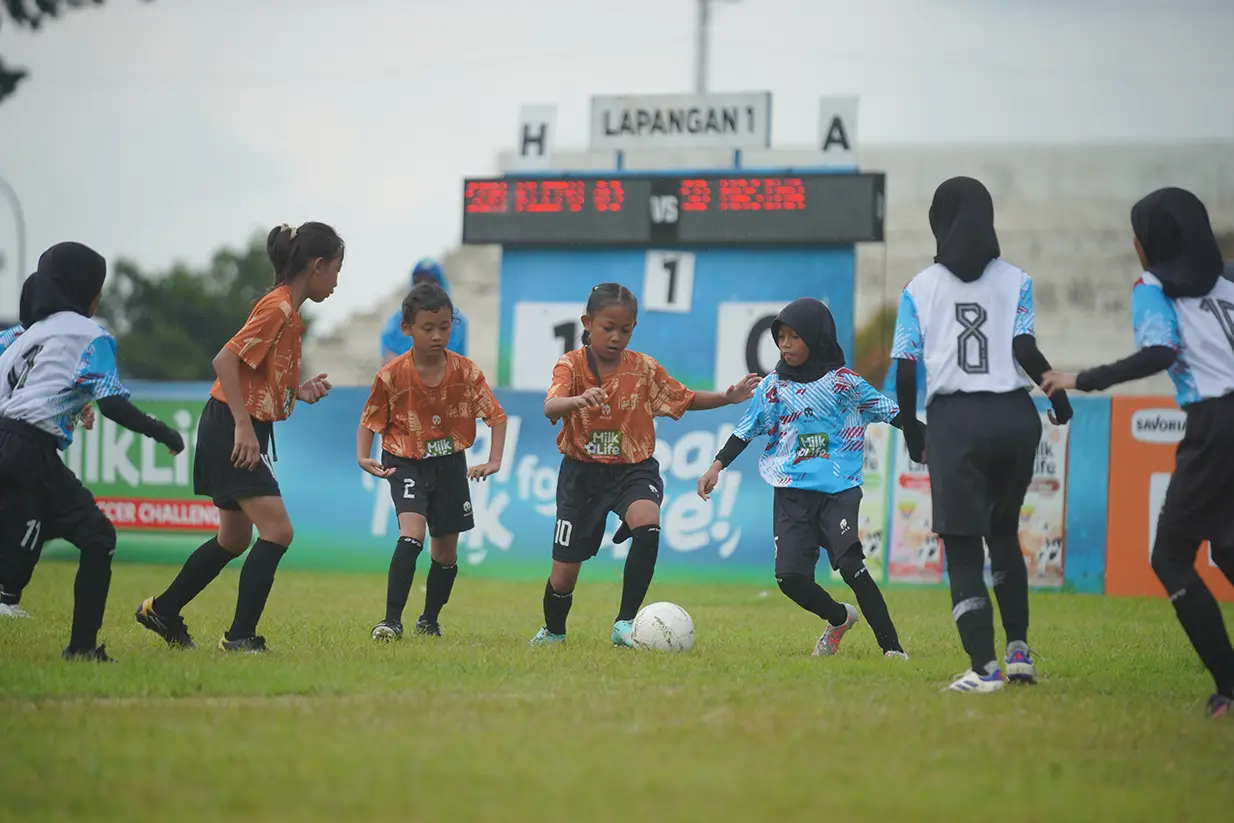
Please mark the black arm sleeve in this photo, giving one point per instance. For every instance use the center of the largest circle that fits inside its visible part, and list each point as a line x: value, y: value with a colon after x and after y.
x: 124, y: 413
x: 1144, y: 363
x: 732, y: 449
x: 906, y: 399
x: 1030, y: 358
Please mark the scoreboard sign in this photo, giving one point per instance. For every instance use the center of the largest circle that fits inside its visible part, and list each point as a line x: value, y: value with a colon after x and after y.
x: 674, y: 211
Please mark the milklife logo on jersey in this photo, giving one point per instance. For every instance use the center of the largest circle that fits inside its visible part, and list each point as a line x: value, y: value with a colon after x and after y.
x: 814, y: 444
x: 1158, y: 425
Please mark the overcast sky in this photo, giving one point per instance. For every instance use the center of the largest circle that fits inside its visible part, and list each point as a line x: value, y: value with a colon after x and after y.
x: 161, y: 131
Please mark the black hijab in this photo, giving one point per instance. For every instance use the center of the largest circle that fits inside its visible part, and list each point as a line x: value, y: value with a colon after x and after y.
x: 962, y: 219
x: 69, y: 277
x: 1174, y: 232
x: 812, y: 321
x: 25, y: 309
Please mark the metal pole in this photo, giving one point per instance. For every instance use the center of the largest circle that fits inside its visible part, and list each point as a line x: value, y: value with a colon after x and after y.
x: 20, y: 219
x: 700, y: 46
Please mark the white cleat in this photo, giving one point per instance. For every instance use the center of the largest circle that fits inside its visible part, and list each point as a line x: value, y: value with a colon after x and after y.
x: 829, y: 642
x: 971, y: 681
x: 13, y: 611
x: 1019, y: 663
x: 896, y: 654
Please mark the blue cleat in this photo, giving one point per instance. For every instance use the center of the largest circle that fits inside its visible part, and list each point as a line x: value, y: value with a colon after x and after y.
x: 623, y: 633
x: 1019, y: 663
x: 546, y: 638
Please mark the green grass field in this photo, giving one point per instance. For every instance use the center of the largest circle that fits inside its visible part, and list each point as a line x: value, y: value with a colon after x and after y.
x: 477, y: 726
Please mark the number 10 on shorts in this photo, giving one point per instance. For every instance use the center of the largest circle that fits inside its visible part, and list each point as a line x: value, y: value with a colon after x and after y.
x: 562, y: 533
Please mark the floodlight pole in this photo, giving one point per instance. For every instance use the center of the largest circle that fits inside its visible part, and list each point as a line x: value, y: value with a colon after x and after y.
x: 702, y: 36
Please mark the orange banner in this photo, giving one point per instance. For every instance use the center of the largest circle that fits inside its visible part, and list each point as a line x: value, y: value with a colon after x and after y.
x: 1144, y: 434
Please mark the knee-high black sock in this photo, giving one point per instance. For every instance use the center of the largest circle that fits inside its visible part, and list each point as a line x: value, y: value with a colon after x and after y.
x: 870, y: 600
x: 812, y: 597
x: 640, y: 568
x: 1010, y: 585
x: 90, y: 589
x: 199, y: 571
x: 556, y: 608
x: 402, y: 572
x: 440, y: 584
x: 256, y: 580
x: 1197, y: 609
x: 970, y: 600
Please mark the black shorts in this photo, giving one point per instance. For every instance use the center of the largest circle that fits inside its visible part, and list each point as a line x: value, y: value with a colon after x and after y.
x: 587, y: 492
x: 980, y: 452
x: 434, y: 488
x: 40, y: 499
x: 805, y: 520
x: 1199, y: 502
x: 214, y: 475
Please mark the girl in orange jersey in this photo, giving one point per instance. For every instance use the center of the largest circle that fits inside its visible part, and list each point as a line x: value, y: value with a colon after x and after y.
x: 424, y: 405
x: 607, y: 397
x: 258, y: 383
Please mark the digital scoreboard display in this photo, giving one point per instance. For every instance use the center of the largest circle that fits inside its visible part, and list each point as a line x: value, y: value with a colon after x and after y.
x: 681, y: 210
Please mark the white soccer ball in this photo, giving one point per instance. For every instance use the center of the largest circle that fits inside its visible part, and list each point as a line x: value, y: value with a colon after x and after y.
x: 663, y: 627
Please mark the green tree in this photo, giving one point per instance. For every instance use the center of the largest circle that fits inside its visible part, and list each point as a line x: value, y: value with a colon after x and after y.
x: 32, y: 14
x: 169, y: 325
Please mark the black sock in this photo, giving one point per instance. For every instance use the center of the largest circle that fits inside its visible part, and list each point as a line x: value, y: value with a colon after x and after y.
x: 90, y: 592
x: 8, y: 598
x: 1174, y: 562
x: 1010, y: 585
x: 402, y: 572
x: 256, y: 580
x: 812, y: 597
x: 199, y: 571
x: 870, y: 600
x: 556, y: 609
x: 970, y: 600
x: 640, y: 567
x: 440, y: 584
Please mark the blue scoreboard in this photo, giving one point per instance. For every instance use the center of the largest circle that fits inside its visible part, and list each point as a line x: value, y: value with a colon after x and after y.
x: 713, y: 256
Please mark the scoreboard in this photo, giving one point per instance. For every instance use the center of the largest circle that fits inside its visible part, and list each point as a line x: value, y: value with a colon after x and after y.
x: 675, y: 211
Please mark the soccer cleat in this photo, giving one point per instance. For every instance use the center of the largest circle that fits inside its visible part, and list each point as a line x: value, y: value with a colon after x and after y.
x: 1218, y: 706
x: 546, y: 638
x: 896, y: 654
x: 388, y: 630
x: 13, y: 610
x: 249, y: 645
x: 623, y: 633
x: 829, y: 642
x: 971, y: 681
x: 98, y: 655
x: 428, y: 627
x: 169, y: 627
x: 1019, y: 663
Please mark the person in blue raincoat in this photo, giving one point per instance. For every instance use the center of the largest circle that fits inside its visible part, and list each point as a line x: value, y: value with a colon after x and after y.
x: 394, y: 342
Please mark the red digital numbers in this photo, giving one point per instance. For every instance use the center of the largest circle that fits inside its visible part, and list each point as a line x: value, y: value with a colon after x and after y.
x: 486, y: 197
x: 609, y: 196
x: 762, y: 194
x: 544, y: 196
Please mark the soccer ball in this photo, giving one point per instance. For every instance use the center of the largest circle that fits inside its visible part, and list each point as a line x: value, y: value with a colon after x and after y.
x: 664, y: 627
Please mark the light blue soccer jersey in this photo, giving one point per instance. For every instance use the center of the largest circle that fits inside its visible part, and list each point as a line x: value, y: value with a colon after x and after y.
x: 9, y: 335
x: 1199, y: 329
x: 55, y: 368
x: 815, y: 431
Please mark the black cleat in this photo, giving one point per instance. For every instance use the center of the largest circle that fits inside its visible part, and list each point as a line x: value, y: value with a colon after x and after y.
x: 429, y: 627
x: 1218, y: 706
x: 98, y: 655
x: 388, y: 630
x: 170, y: 628
x: 248, y: 645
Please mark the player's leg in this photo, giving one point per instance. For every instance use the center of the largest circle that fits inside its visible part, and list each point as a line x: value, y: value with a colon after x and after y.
x: 274, y: 536
x: 577, y: 534
x: 838, y: 524
x: 1197, y: 610
x: 1010, y: 475
x: 22, y: 522
x: 1223, y: 557
x: 449, y: 515
x: 161, y: 614
x: 411, y: 493
x: 795, y: 530
x: 640, y: 488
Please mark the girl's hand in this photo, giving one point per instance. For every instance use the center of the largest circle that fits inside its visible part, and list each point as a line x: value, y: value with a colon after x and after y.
x: 87, y: 417
x: 742, y: 390
x: 482, y: 471
x: 374, y: 467
x: 707, y: 483
x: 595, y: 396
x: 313, y: 390
x: 1054, y: 381
x: 246, y: 454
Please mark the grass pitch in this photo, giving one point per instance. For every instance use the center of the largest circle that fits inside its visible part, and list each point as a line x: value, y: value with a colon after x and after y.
x: 477, y: 726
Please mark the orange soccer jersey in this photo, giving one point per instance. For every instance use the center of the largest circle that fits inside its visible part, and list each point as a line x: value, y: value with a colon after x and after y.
x: 622, y: 430
x: 416, y: 421
x: 269, y: 350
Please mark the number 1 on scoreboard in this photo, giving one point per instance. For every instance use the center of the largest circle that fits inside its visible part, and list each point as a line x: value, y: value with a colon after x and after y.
x: 668, y: 281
